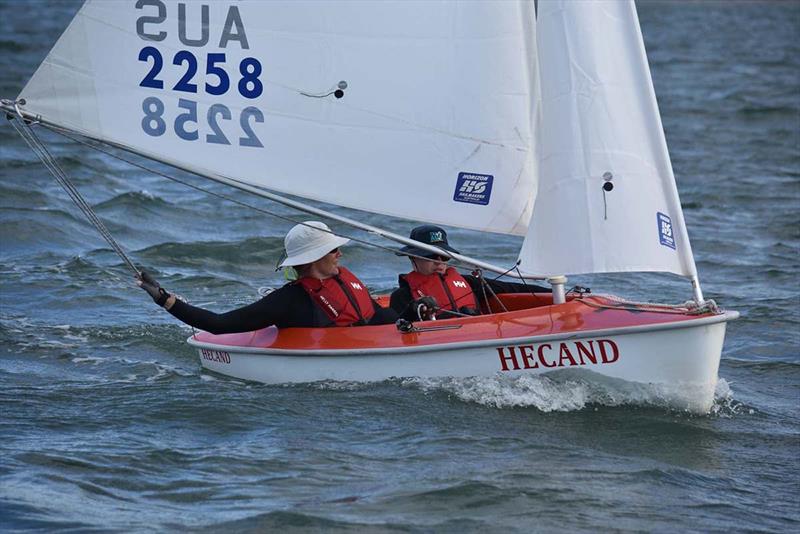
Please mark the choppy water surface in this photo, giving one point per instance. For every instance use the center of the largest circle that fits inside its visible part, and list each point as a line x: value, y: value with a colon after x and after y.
x: 108, y: 423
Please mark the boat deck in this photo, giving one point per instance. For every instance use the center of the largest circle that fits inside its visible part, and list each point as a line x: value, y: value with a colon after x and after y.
x: 529, y: 315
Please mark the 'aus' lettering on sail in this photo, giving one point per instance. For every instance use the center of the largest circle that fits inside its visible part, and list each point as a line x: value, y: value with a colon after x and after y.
x: 172, y: 79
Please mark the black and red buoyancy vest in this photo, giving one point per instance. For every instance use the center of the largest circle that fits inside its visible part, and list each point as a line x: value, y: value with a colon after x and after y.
x: 344, y: 298
x: 450, y: 289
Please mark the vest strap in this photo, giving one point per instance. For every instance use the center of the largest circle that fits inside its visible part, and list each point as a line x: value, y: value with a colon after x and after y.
x: 351, y: 298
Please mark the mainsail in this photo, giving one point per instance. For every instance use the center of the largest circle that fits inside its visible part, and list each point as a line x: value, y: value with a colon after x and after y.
x: 607, y: 200
x: 431, y: 121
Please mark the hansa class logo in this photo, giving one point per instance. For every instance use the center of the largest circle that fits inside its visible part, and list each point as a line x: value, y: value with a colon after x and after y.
x: 473, y: 188
x: 665, y: 235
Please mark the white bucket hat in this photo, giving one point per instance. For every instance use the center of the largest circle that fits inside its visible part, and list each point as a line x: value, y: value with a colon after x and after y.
x: 308, y: 242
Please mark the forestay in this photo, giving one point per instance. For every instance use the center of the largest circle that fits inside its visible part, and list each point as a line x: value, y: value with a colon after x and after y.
x: 433, y: 123
x: 607, y: 200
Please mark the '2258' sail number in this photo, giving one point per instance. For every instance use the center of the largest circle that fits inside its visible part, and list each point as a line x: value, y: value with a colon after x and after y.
x: 186, y: 123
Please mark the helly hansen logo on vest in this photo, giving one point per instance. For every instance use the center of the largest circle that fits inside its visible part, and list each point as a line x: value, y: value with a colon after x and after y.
x: 328, y: 305
x: 356, y: 286
x: 459, y: 283
x: 473, y: 188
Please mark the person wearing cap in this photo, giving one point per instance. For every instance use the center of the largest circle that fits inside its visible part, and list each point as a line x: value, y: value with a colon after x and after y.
x: 432, y: 277
x: 324, y: 294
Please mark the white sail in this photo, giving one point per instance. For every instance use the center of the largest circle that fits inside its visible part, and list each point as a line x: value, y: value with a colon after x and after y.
x: 434, y: 123
x: 600, y: 124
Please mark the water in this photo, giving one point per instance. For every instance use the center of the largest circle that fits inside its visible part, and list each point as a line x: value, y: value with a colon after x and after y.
x: 107, y: 422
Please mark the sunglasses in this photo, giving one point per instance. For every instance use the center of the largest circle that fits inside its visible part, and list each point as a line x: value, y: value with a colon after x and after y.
x: 444, y: 259
x: 334, y: 251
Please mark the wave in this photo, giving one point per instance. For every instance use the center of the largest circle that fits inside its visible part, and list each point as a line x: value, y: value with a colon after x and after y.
x: 765, y: 366
x: 12, y: 46
x: 41, y: 216
x: 561, y: 392
x: 258, y: 250
x: 294, y: 522
x: 132, y: 199
x: 17, y: 197
x: 766, y: 111
x: 38, y: 235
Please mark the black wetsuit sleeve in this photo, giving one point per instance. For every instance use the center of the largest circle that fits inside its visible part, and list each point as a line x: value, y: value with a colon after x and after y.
x: 400, y: 298
x: 400, y: 301
x: 288, y: 306
x: 382, y: 315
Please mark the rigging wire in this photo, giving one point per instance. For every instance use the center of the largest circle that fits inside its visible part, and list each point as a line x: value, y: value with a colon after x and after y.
x: 29, y: 136
x: 486, y: 286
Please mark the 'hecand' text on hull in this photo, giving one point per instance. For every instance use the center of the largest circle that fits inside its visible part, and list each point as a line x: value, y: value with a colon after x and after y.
x: 558, y: 354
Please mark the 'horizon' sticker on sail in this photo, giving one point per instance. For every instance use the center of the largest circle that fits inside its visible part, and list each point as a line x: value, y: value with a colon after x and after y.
x: 473, y: 188
x: 665, y: 235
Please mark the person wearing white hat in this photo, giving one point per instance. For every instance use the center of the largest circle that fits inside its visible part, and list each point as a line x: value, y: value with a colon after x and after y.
x: 325, y: 293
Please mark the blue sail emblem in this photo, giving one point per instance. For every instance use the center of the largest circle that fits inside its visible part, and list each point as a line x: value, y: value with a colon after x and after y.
x: 665, y: 234
x: 473, y: 188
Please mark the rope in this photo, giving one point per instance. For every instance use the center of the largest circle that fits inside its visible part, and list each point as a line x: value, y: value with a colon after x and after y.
x: 36, y: 145
x: 484, y: 286
x: 483, y: 290
x: 689, y: 307
x: 494, y: 296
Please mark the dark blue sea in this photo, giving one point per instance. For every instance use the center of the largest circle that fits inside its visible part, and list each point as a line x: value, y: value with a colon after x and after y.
x: 107, y: 422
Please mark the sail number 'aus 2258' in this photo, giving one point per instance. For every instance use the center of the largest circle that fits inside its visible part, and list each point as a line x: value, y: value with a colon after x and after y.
x: 187, y: 118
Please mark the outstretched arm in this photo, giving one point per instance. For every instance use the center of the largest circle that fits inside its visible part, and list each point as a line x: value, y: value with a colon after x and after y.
x: 245, y: 319
x: 284, y: 307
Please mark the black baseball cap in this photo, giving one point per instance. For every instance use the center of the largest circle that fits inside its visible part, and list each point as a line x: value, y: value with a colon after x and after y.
x: 430, y: 235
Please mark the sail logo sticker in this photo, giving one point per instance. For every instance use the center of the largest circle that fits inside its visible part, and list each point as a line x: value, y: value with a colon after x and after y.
x: 665, y: 235
x: 473, y: 188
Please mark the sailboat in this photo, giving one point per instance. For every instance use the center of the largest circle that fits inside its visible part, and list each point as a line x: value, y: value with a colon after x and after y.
x: 536, y: 120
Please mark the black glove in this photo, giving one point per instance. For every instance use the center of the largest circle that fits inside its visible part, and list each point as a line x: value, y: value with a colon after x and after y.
x: 424, y: 308
x: 150, y: 284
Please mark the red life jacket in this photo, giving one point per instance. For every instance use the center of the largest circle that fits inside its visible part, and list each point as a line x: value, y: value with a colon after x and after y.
x: 344, y: 298
x: 450, y: 290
